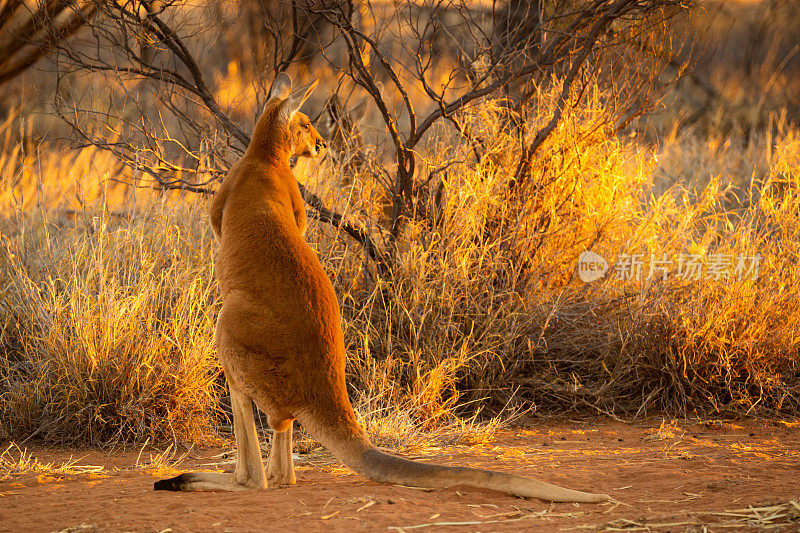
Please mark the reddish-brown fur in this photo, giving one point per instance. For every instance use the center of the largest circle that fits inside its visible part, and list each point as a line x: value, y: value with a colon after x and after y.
x: 279, y: 333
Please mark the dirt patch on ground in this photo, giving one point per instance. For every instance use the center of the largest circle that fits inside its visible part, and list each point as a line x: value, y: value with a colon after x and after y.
x: 663, y: 476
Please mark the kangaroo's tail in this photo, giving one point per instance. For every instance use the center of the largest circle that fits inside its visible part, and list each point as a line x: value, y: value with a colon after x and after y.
x: 339, y: 431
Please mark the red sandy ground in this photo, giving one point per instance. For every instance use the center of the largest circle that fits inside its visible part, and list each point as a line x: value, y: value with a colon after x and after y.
x: 671, y: 478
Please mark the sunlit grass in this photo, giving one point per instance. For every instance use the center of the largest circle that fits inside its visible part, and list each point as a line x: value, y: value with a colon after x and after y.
x: 107, y: 317
x: 16, y: 461
x: 108, y: 299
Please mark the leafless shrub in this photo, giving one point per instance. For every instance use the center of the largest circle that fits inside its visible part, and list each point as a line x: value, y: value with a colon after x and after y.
x: 29, y: 30
x: 453, y: 56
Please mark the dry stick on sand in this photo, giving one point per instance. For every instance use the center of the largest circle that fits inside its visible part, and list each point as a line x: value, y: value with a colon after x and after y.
x: 771, y: 516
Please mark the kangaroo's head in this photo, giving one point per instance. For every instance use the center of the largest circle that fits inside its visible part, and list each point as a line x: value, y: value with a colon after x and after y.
x: 306, y: 140
x: 282, y: 128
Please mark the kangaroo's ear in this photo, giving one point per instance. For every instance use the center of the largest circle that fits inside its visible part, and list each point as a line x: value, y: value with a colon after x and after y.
x: 297, y: 100
x: 281, y: 86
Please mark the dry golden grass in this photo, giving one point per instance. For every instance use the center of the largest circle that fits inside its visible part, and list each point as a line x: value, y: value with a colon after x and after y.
x: 15, y: 461
x: 107, y: 315
x: 470, y: 317
x: 107, y: 298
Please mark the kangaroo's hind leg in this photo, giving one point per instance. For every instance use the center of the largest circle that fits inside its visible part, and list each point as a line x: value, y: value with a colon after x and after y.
x: 280, y: 466
x: 249, y: 472
x: 249, y: 467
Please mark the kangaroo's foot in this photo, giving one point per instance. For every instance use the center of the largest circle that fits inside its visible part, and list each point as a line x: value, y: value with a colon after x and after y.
x: 193, y: 481
x: 249, y: 472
